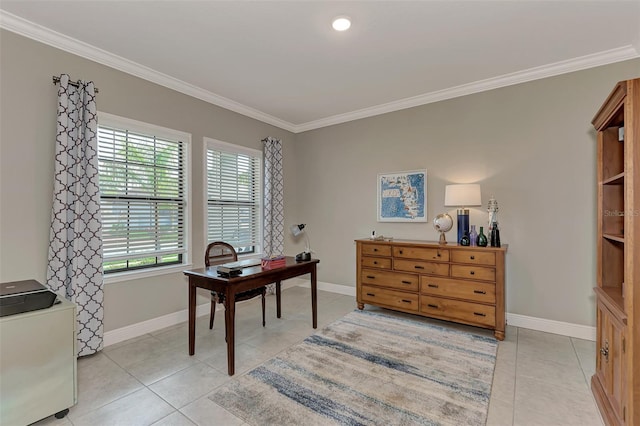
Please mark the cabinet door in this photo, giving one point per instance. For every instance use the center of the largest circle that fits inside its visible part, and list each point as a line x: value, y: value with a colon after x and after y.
x: 610, y: 361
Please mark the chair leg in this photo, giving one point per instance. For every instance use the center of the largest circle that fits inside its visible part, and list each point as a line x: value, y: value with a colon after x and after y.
x: 213, y: 314
x: 263, y: 321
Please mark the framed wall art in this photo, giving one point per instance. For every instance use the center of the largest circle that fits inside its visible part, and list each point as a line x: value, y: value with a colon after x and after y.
x: 402, y: 196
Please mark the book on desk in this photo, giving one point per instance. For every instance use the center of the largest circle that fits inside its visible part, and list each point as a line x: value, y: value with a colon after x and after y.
x: 235, y: 268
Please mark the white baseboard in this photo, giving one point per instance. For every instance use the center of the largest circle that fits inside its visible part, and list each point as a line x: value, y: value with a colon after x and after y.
x: 333, y: 288
x: 154, y: 324
x: 551, y: 326
x: 517, y: 320
x: 134, y: 330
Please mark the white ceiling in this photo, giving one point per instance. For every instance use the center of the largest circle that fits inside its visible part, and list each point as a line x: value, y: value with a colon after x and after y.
x: 280, y: 61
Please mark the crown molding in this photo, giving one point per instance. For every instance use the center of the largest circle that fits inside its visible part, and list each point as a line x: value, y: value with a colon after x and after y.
x: 576, y: 64
x: 52, y: 38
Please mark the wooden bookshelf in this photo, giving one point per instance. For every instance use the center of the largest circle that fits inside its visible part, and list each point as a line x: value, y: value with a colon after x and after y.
x: 616, y: 382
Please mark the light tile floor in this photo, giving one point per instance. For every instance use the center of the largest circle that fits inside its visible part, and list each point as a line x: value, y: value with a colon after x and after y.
x: 540, y: 378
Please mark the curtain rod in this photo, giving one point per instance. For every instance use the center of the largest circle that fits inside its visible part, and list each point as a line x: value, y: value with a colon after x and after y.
x: 56, y: 80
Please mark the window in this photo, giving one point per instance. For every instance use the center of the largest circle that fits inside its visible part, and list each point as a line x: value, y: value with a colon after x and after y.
x: 143, y: 194
x: 234, y: 194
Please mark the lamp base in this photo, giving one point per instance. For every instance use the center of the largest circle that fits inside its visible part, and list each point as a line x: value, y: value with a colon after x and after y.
x: 303, y: 257
x: 463, y: 223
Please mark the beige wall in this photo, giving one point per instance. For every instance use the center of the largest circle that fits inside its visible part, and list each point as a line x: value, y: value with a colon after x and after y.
x: 27, y: 137
x: 532, y: 146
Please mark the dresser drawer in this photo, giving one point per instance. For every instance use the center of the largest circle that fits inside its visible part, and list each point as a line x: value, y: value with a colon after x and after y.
x: 409, y: 282
x: 468, y: 312
x: 376, y: 250
x: 475, y: 257
x: 473, y: 272
x: 422, y: 253
x: 470, y: 290
x: 376, y: 262
x: 391, y: 298
x: 432, y: 268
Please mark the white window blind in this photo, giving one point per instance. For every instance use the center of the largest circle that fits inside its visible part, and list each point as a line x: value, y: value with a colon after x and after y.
x: 142, y: 197
x: 234, y: 194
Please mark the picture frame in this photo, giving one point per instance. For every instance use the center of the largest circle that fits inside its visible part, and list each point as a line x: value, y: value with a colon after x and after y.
x: 402, y: 196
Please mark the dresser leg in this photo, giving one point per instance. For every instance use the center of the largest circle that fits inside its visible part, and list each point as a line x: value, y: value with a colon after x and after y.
x: 361, y: 306
x: 499, y: 335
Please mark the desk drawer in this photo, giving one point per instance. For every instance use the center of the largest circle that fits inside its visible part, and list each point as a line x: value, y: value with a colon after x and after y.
x: 473, y: 272
x: 472, y: 313
x: 376, y: 262
x: 422, y: 253
x: 431, y: 268
x: 459, y: 289
x: 475, y: 257
x: 403, y: 281
x: 376, y: 249
x: 396, y: 299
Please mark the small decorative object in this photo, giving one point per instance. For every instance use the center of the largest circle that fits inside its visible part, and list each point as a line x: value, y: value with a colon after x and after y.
x: 473, y: 236
x: 482, y: 239
x: 464, y: 241
x: 442, y: 223
x: 494, y: 233
x: 402, y: 196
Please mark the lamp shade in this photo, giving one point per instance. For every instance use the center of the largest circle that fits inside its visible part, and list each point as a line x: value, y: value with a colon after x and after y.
x: 464, y: 195
x: 297, y: 229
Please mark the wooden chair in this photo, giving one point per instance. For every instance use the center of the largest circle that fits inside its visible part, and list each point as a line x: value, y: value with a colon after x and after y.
x: 218, y: 253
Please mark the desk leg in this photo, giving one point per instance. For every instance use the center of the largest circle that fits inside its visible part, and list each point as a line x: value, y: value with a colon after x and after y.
x: 314, y: 296
x: 192, y: 317
x: 230, y: 317
x: 278, y: 300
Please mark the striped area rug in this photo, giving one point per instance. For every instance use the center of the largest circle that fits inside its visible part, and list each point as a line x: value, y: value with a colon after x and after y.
x: 369, y: 368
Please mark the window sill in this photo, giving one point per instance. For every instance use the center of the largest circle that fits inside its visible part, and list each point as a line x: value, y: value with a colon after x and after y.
x: 145, y: 273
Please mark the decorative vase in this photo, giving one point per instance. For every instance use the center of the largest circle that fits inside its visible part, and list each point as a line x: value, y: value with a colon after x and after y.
x: 473, y: 236
x: 464, y: 241
x: 482, y: 239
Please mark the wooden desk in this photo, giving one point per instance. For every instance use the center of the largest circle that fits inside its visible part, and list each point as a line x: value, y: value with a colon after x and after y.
x: 253, y: 277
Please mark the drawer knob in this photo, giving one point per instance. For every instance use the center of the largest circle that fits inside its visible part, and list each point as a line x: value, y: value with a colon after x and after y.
x: 472, y: 257
x: 375, y: 262
x: 370, y: 294
x: 406, y: 301
x: 406, y: 282
x: 432, y: 306
x: 479, y: 292
x: 400, y: 251
x: 604, y: 351
x: 419, y: 267
x: 432, y: 285
x: 479, y: 314
x: 375, y: 249
x: 472, y: 272
x: 372, y: 277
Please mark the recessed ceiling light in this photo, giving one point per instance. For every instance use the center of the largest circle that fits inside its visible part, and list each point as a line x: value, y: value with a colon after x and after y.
x: 341, y: 23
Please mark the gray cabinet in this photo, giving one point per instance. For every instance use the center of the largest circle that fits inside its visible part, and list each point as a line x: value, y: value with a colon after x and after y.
x: 37, y: 364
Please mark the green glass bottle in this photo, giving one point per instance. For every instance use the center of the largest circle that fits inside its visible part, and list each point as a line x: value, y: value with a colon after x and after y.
x: 482, y: 239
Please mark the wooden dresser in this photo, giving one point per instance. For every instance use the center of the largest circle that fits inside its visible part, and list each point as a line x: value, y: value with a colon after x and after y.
x: 449, y: 282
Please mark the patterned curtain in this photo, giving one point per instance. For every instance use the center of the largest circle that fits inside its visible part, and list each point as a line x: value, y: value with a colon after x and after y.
x: 75, y: 243
x: 273, y: 200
